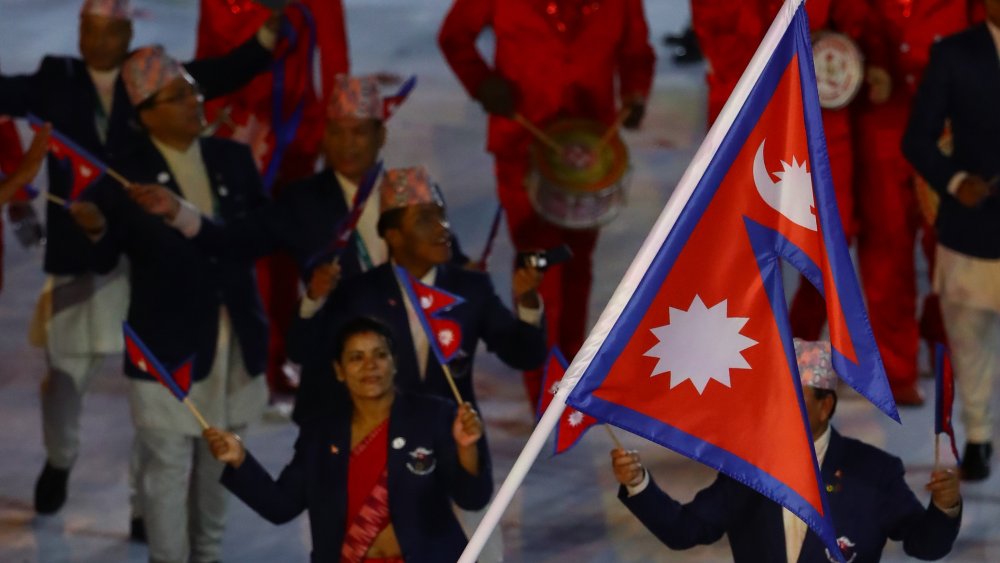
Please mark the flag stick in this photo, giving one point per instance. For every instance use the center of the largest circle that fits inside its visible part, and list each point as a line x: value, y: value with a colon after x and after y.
x: 538, y: 133
x: 614, y: 438
x: 197, y: 414
x: 610, y: 133
x: 121, y: 179
x: 490, y: 238
x: 451, y: 383
x: 937, y: 451
x: 55, y: 199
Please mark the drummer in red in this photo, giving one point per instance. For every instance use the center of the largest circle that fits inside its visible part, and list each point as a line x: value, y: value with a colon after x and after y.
x: 887, y: 206
x: 554, y: 59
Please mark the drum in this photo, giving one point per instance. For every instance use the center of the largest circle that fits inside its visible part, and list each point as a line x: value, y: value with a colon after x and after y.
x: 839, y: 69
x: 583, y: 186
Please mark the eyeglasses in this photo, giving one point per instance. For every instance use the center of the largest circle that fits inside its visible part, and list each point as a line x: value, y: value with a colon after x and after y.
x: 178, y: 97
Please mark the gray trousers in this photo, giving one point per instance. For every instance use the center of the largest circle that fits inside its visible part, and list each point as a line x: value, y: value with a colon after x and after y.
x: 183, y: 501
x: 62, y: 401
x: 974, y: 337
x: 62, y: 392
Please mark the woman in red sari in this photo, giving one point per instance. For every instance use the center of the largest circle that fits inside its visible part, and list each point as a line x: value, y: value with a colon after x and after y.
x: 379, y: 473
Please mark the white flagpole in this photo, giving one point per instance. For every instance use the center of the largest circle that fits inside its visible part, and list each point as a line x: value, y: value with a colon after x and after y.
x: 632, y: 278
x: 516, y: 476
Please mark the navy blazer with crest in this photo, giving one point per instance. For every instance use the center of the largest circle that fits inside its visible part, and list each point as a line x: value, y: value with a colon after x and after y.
x: 420, y: 492
x: 176, y: 289
x: 867, y: 497
x: 377, y: 294
x: 961, y: 86
x: 62, y: 92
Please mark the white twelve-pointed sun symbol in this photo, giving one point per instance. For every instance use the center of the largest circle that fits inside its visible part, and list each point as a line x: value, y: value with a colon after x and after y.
x: 575, y: 418
x: 446, y: 337
x: 426, y: 301
x: 700, y: 344
x: 85, y: 171
x: 142, y: 365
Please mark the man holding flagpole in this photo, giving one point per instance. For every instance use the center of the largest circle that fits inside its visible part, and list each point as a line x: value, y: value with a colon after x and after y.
x: 186, y: 304
x: 869, y: 499
x: 695, y: 343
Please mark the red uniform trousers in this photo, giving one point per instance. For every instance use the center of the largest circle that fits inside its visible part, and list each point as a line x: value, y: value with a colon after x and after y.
x: 565, y: 288
x: 889, y: 221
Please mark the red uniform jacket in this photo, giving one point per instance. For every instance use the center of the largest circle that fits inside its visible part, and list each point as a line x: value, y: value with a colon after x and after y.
x: 907, y: 29
x: 729, y: 33
x: 562, y: 56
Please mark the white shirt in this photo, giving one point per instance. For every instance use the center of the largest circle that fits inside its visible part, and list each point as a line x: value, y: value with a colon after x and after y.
x: 795, y: 528
x: 190, y: 175
x: 104, y: 82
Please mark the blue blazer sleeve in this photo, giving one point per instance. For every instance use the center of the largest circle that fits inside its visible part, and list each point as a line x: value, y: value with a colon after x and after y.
x: 519, y: 344
x: 703, y: 521
x: 276, y: 501
x: 218, y: 76
x: 926, y: 533
x: 16, y: 93
x: 927, y: 121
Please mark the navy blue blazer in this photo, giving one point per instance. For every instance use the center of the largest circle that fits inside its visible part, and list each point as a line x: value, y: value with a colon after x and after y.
x: 420, y: 495
x: 961, y: 85
x: 869, y: 501
x: 377, y: 294
x: 176, y: 289
x: 301, y: 220
x: 61, y: 92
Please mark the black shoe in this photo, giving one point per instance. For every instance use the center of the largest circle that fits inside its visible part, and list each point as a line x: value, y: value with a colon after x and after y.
x: 137, y: 530
x: 50, y: 490
x: 976, y: 461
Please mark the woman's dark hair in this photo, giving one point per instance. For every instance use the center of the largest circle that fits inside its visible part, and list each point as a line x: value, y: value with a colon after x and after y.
x: 360, y: 325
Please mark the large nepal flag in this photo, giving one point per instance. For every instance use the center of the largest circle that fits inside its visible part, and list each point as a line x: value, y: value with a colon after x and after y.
x: 573, y: 424
x: 429, y: 303
x: 694, y: 351
x: 177, y: 381
x: 280, y: 114
x: 84, y: 169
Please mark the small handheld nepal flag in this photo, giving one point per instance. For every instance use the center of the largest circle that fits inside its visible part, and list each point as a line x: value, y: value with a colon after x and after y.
x: 391, y: 103
x: 944, y: 396
x: 444, y: 335
x: 178, y: 381
x: 694, y: 351
x: 348, y: 224
x: 83, y: 168
x: 573, y: 424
